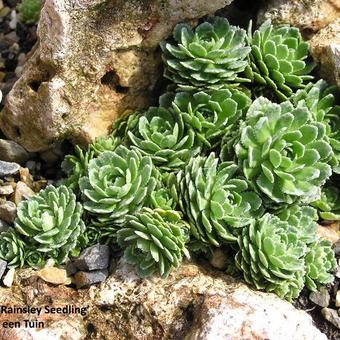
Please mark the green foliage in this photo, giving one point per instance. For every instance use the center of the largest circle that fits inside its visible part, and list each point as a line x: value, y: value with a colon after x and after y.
x: 271, y: 256
x: 104, y: 143
x: 154, y: 241
x: 283, y: 151
x: 117, y: 183
x: 320, y: 262
x: 215, y: 200
x: 34, y: 258
x: 210, y: 114
x: 278, y: 59
x: 162, y: 135
x: 29, y: 11
x: 329, y: 203
x: 211, y: 56
x: 12, y: 248
x: 51, y: 221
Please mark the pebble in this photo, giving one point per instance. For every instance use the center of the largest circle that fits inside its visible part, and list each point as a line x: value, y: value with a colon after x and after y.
x: 3, y: 266
x: 54, y: 275
x: 4, y: 11
x: 219, y: 259
x: 8, y: 212
x: 93, y: 258
x: 336, y: 248
x: 8, y: 168
x: 26, y: 177
x: 3, y: 225
x: 22, y: 192
x: 86, y: 279
x: 320, y: 298
x: 337, y: 299
x: 14, y: 21
x: 6, y: 190
x: 328, y: 234
x: 71, y: 269
x: 331, y: 315
x: 9, y: 278
x: 12, y: 152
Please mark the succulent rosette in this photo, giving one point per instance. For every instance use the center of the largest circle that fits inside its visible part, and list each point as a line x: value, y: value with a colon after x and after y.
x: 34, y: 258
x: 283, y: 152
x: 128, y: 121
x: 12, y: 248
x: 329, y: 203
x: 162, y: 135
x: 333, y: 120
x: 104, y: 143
x: 75, y: 167
x: 213, y: 55
x: 271, y: 256
x: 320, y: 262
x: 210, y: 114
x: 117, y: 183
x: 215, y: 200
x: 51, y: 221
x: 278, y: 59
x: 154, y: 241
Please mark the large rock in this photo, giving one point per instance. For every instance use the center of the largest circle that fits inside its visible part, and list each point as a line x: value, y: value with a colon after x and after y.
x: 94, y: 60
x: 309, y: 15
x: 194, y: 302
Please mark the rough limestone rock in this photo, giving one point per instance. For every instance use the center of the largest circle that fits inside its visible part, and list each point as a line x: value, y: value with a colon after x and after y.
x: 94, y: 60
x: 325, y: 49
x: 309, y: 15
x: 194, y: 302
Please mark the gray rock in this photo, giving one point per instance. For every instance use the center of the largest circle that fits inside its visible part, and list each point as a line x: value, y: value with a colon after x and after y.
x: 8, y: 211
x: 320, y: 298
x: 3, y: 225
x: 332, y: 316
x: 9, y: 278
x: 93, y: 258
x: 3, y: 266
x: 12, y: 152
x: 86, y: 279
x: 71, y: 269
x: 8, y: 168
x: 336, y: 248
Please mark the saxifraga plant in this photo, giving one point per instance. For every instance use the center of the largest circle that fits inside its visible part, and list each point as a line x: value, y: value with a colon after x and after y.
x: 215, y: 200
x: 12, y: 248
x: 154, y: 241
x: 50, y: 221
x: 29, y: 11
x: 283, y: 152
x: 278, y: 59
x: 117, y: 183
x: 211, y: 56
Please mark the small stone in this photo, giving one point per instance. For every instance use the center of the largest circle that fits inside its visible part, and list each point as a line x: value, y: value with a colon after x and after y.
x: 71, y: 269
x: 18, y: 71
x: 1, y: 4
x: 219, y: 259
x: 22, y: 192
x: 49, y: 263
x: 336, y: 248
x: 26, y: 177
x: 38, y: 185
x: 332, y: 316
x: 8, y: 212
x: 22, y: 59
x: 337, y: 299
x: 9, y: 278
x: 3, y: 225
x: 4, y: 11
x: 93, y: 258
x: 12, y: 152
x: 31, y: 165
x: 6, y: 190
x: 3, y: 266
x: 320, y: 298
x: 337, y: 272
x: 54, y: 275
x: 86, y: 279
x: 328, y: 233
x: 8, y: 168
x: 14, y: 21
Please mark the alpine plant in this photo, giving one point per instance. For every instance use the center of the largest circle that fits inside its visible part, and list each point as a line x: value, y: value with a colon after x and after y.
x: 154, y: 241
x: 215, y: 199
x: 211, y: 56
x: 278, y: 59
x: 12, y: 248
x: 271, y: 256
x: 162, y: 135
x: 283, y: 152
x: 210, y: 114
x: 320, y: 263
x: 117, y: 183
x: 50, y: 221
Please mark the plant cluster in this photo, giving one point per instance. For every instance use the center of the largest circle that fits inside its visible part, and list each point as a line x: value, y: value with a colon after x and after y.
x: 239, y: 154
x: 29, y: 11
